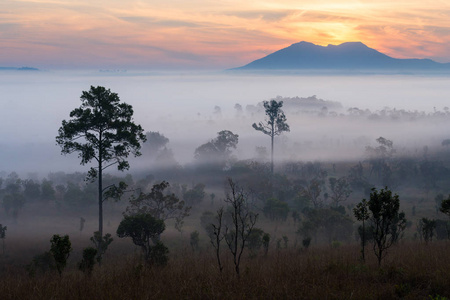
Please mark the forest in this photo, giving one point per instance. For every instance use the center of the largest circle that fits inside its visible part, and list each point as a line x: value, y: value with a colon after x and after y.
x: 367, y: 219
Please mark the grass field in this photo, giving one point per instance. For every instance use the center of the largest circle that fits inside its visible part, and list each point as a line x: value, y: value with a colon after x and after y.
x: 412, y: 270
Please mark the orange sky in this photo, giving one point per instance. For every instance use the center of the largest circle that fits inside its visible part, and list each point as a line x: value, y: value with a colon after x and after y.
x: 210, y: 34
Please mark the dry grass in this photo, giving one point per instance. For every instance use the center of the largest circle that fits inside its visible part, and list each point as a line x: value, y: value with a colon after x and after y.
x: 410, y: 271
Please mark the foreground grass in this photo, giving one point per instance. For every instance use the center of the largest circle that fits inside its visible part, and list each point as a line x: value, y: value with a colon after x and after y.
x: 410, y: 271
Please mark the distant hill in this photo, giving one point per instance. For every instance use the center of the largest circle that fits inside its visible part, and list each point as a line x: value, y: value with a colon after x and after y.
x: 346, y: 56
x: 18, y: 69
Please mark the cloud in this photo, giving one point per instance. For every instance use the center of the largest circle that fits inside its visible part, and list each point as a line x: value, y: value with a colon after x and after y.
x: 266, y: 15
x: 149, y: 21
x: 212, y: 33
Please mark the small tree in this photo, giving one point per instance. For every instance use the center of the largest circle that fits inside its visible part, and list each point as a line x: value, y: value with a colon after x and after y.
x: 217, y: 150
x: 387, y: 223
x: 255, y: 241
x: 361, y: 212
x: 445, y: 206
x: 3, y: 236
x: 311, y: 193
x: 275, y: 209
x: 87, y: 263
x: 101, y: 129
x: 339, y: 190
x: 194, y: 195
x: 275, y: 125
x: 445, y: 209
x: 60, y: 250
x: 145, y: 231
x: 194, y: 240
x: 101, y: 243
x: 161, y: 205
x: 217, y: 236
x: 266, y: 242
x: 426, y: 229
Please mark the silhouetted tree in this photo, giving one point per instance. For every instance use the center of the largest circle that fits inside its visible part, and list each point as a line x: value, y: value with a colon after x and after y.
x: 361, y: 212
x: 154, y: 144
x: 101, y: 129
x: 145, y: 230
x: 445, y: 206
x: 242, y: 222
x: 255, y: 240
x: 311, y: 192
x: 60, y: 250
x: 195, y: 195
x: 31, y: 189
x: 381, y: 159
x: 426, y: 229
x: 386, y: 222
x: 217, y: 150
x: 159, y: 204
x: 101, y: 243
x: 339, y: 190
x: 87, y: 263
x: 274, y: 125
x: 194, y: 240
x: 275, y: 209
x: 47, y: 191
x: 3, y: 236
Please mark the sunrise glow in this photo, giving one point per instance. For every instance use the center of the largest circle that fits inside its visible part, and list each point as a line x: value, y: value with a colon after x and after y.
x: 210, y: 34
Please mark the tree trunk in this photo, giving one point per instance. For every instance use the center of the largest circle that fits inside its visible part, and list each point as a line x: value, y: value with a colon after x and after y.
x: 363, y: 242
x: 271, y: 164
x: 100, y: 201
x: 100, y: 192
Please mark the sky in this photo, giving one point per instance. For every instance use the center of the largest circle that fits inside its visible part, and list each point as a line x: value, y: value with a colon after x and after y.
x: 206, y: 34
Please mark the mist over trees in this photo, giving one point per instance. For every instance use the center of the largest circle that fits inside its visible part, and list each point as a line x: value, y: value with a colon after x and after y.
x: 235, y: 207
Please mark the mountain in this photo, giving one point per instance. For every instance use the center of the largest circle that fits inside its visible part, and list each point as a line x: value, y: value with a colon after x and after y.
x: 18, y: 69
x: 346, y: 56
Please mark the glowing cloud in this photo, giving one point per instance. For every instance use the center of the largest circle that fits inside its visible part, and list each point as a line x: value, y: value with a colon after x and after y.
x: 209, y: 34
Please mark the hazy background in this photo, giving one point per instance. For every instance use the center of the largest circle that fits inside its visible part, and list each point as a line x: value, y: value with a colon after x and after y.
x: 182, y: 106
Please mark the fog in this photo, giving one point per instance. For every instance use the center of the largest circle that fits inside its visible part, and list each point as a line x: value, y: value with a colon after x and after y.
x: 190, y: 108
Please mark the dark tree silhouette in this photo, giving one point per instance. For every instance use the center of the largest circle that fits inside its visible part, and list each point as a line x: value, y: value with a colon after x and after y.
x: 159, y: 204
x: 275, y: 125
x: 361, y: 212
x: 386, y: 222
x: 145, y: 230
x: 101, y: 129
x: 218, y: 149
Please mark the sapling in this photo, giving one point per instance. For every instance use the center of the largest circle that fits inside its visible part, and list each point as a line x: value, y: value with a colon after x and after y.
x: 82, y: 221
x: 101, y: 243
x: 87, y: 263
x: 145, y: 231
x: 3, y: 236
x: 60, y: 250
x: 266, y: 242
x: 194, y: 240
x: 386, y: 222
x: 306, y: 242
x: 361, y: 212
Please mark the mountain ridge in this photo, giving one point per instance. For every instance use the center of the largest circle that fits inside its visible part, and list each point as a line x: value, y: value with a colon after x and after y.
x: 18, y: 69
x: 346, y: 56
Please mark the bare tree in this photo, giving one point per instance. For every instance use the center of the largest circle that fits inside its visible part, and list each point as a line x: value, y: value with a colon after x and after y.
x: 242, y: 222
x: 340, y: 190
x: 217, y: 236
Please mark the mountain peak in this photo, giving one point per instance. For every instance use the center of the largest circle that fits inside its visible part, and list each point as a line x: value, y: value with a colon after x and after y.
x: 349, y: 44
x: 346, y: 56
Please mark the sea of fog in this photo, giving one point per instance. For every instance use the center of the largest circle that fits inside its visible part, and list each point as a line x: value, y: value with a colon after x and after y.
x: 190, y: 108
